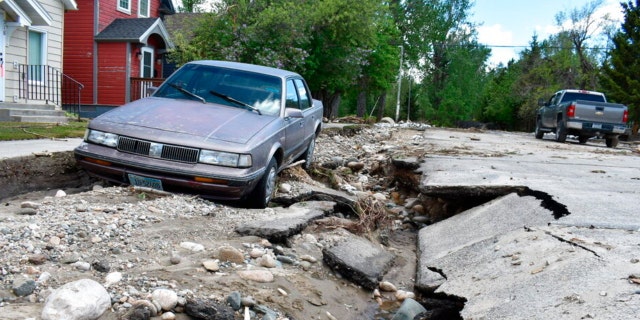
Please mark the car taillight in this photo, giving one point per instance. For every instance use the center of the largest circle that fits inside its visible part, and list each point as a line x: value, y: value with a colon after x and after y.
x: 571, y: 111
x: 625, y: 116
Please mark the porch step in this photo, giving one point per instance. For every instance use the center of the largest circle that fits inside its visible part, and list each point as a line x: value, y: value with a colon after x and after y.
x: 15, y: 112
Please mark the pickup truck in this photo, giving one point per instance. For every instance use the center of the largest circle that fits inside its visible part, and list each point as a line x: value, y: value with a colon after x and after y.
x: 219, y: 129
x: 581, y: 113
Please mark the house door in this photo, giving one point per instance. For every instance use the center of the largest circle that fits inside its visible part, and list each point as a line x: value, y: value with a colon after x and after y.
x: 146, y: 69
x: 2, y: 56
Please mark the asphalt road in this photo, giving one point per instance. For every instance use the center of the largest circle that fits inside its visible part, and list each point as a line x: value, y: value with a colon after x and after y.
x: 511, y: 258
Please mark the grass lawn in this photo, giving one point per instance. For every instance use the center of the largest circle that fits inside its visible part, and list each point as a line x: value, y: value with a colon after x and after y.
x: 28, y: 130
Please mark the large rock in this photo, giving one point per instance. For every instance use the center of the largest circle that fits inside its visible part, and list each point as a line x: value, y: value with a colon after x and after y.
x: 83, y: 299
x: 208, y: 310
x: 289, y: 221
x: 360, y: 260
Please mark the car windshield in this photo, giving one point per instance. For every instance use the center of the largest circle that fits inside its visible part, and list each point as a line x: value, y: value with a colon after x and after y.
x: 235, y: 88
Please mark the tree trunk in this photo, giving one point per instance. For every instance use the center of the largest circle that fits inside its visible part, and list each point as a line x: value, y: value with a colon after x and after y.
x: 361, y: 106
x: 330, y: 103
x: 382, y: 104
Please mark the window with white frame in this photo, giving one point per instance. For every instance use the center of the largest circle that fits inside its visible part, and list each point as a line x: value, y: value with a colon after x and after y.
x: 143, y: 8
x: 124, y: 6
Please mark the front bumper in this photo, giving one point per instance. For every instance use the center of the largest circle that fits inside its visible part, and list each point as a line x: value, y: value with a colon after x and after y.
x: 223, y: 183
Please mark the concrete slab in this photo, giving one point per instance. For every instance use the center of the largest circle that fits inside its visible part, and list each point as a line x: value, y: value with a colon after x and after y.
x: 544, y: 273
x: 488, y: 221
x: 359, y: 260
x: 595, y: 183
x: 287, y: 221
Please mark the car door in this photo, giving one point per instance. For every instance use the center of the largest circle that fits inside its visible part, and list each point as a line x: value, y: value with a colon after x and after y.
x: 548, y: 114
x: 306, y: 102
x: 294, y: 139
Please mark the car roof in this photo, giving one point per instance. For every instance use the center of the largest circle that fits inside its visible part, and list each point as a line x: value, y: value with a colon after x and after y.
x: 247, y: 67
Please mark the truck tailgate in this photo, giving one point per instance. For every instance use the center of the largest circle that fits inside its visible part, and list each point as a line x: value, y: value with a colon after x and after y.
x: 599, y: 111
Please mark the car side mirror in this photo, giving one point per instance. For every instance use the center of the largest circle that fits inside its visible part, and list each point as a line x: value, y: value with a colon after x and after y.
x: 293, y: 113
x: 542, y: 102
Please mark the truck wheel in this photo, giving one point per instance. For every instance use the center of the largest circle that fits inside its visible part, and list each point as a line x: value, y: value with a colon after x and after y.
x: 539, y: 133
x: 561, y: 132
x: 261, y: 195
x: 583, y: 139
x: 612, y: 142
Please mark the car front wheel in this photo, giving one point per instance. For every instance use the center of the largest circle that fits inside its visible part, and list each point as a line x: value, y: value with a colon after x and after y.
x: 539, y: 133
x: 261, y: 195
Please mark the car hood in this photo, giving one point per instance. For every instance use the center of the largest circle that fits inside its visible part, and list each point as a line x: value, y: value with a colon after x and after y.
x: 208, y: 121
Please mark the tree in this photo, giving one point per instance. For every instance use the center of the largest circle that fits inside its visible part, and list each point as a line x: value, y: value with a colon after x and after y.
x: 190, y: 5
x: 579, y: 26
x: 440, y: 47
x: 621, y: 71
x: 344, y: 37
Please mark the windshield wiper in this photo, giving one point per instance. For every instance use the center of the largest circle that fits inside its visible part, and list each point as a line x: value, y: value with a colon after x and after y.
x: 187, y: 92
x: 236, y: 101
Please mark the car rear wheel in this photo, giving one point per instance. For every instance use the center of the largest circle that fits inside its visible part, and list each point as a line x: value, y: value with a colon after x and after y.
x: 261, y: 195
x: 308, y: 155
x: 561, y: 132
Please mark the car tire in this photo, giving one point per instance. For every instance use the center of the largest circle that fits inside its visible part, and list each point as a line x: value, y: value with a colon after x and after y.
x: 539, y: 133
x: 307, y: 156
x: 612, y: 142
x: 561, y: 132
x: 583, y: 139
x: 263, y: 192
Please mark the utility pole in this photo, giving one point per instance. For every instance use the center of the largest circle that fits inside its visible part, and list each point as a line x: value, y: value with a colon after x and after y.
x: 399, y: 84
x: 409, y: 99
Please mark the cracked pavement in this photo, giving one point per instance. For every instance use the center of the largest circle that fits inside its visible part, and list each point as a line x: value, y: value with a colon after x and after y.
x: 517, y: 258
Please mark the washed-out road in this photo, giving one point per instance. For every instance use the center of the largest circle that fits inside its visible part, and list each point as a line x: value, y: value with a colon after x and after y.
x: 559, y: 242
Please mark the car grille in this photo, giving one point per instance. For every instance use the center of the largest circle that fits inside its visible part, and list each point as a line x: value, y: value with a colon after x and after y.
x: 168, y: 152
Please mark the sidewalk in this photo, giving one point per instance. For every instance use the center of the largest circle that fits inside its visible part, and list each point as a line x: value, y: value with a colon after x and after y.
x: 19, y: 148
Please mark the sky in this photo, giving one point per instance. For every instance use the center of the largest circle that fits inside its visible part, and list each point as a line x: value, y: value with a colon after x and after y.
x: 514, y: 22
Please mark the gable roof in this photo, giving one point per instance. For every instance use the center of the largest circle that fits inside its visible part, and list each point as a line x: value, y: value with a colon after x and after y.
x: 135, y: 30
x: 23, y: 13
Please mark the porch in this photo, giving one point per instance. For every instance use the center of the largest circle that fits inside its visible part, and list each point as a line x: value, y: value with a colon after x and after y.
x: 45, y: 94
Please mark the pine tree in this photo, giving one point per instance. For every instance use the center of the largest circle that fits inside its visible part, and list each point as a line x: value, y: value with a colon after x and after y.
x: 621, y: 71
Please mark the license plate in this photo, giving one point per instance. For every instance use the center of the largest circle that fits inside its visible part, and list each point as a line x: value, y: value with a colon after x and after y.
x: 597, y: 126
x: 139, y: 181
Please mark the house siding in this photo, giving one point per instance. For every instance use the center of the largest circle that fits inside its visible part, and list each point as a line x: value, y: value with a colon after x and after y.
x: 112, y: 73
x: 16, y: 47
x: 79, y: 50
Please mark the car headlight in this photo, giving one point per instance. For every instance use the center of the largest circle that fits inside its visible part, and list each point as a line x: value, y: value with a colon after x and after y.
x: 225, y: 158
x: 103, y: 138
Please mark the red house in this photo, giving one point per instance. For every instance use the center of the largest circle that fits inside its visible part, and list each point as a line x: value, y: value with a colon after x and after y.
x: 115, y: 49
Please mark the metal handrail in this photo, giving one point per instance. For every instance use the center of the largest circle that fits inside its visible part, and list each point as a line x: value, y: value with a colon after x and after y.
x: 71, y: 94
x: 49, y: 84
